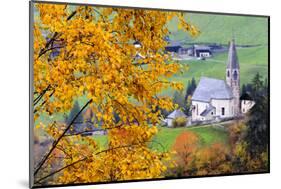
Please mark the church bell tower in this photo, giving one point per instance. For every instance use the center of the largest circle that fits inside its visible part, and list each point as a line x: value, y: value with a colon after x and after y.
x: 233, y: 76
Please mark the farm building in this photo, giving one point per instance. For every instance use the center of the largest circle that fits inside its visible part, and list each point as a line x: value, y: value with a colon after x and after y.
x: 173, y: 48
x: 202, y: 51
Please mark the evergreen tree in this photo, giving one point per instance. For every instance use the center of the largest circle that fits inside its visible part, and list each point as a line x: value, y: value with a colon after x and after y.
x: 189, y: 92
x: 243, y: 91
x: 257, y: 84
x: 193, y: 85
x: 74, y: 111
x: 190, y: 88
x: 179, y: 99
x: 257, y: 132
x: 247, y: 88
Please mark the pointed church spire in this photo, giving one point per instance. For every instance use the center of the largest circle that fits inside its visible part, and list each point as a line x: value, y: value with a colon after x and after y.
x: 233, y: 77
x: 232, y: 62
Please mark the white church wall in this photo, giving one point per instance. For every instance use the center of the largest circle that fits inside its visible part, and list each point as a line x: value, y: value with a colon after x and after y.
x: 246, y: 105
x: 199, y: 107
x: 226, y: 104
x: 210, y: 115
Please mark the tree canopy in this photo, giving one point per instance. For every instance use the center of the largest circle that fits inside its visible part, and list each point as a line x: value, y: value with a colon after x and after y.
x: 89, y: 51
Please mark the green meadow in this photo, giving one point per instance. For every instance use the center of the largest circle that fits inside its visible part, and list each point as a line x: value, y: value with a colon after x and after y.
x: 252, y: 60
x: 165, y: 138
x: 220, y: 29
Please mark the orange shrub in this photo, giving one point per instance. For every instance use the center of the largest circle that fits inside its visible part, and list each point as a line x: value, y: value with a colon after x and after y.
x: 185, y: 145
x: 193, y: 159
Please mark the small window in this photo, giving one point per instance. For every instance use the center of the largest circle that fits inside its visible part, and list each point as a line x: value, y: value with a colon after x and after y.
x: 222, y: 111
x: 235, y: 75
x: 212, y: 113
x: 227, y: 73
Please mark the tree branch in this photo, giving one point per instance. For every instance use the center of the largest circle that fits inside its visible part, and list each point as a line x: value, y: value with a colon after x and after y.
x: 55, y: 35
x: 93, y: 130
x: 49, y: 49
x: 85, y: 158
x: 71, y: 15
x: 98, y: 12
x: 38, y: 98
x: 59, y: 170
x: 57, y: 141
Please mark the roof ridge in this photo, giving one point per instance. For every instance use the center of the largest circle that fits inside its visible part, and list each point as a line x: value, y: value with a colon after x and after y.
x: 212, y: 88
x: 205, y: 77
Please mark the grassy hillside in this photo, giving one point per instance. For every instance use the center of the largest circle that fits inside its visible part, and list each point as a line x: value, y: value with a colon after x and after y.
x: 220, y: 28
x: 207, y: 135
x: 165, y: 138
x: 251, y: 60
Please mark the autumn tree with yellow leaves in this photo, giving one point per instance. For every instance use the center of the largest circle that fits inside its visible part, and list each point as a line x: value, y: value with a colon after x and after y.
x: 85, y: 51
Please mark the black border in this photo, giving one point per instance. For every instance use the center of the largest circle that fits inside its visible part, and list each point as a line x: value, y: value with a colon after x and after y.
x: 31, y: 124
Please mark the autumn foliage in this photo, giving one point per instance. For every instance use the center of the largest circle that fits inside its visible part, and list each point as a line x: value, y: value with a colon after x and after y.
x: 186, y: 145
x: 194, y: 159
x: 84, y: 51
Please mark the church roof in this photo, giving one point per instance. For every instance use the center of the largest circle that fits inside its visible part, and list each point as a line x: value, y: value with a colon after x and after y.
x: 209, y: 88
x: 175, y: 114
x: 202, y: 47
x: 207, y: 110
x: 232, y: 62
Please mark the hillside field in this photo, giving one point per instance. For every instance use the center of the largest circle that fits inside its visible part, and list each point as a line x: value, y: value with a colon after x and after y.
x: 220, y: 29
x: 215, y: 28
x: 252, y: 60
x: 165, y: 138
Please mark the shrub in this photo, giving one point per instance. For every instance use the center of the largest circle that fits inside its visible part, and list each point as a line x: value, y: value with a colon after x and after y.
x: 179, y: 122
x: 185, y: 145
x: 193, y: 159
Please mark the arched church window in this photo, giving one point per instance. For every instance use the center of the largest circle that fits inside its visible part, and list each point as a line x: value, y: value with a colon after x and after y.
x: 227, y: 73
x: 235, y: 75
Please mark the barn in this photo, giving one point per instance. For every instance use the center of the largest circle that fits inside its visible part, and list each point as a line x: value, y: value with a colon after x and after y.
x: 202, y: 51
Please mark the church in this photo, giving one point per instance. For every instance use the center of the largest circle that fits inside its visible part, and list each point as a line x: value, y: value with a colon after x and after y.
x: 218, y: 99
